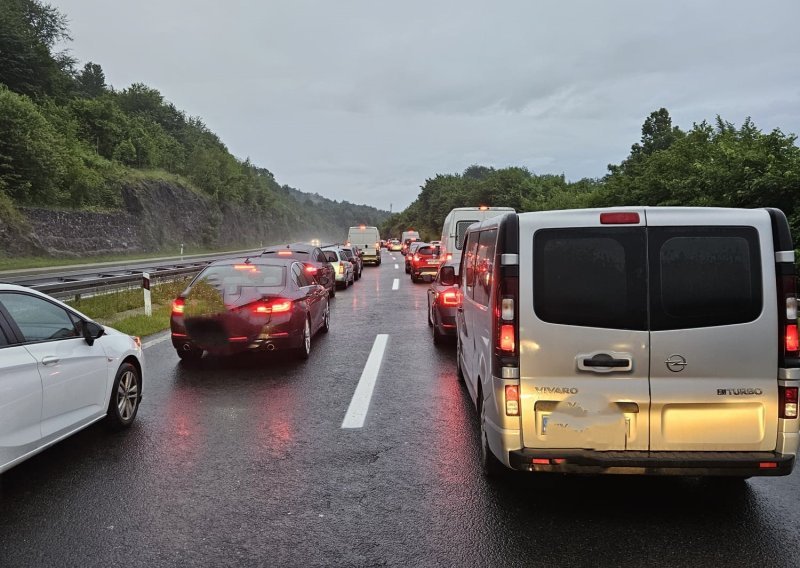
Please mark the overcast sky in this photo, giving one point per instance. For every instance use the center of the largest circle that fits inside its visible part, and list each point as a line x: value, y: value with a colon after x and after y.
x: 363, y: 100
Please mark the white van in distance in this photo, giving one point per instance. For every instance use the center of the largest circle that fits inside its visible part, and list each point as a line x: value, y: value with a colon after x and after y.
x: 632, y: 340
x: 368, y: 239
x: 455, y: 227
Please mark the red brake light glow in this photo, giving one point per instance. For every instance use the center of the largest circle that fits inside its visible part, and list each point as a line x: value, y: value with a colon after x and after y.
x: 311, y: 269
x: 507, y: 342
x: 284, y: 253
x: 792, y: 339
x: 178, y: 306
x: 619, y: 218
x: 483, y: 208
x: 449, y: 297
x: 273, y: 307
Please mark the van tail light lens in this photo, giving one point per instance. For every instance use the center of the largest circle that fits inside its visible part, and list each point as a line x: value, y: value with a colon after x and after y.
x: 792, y: 340
x: 450, y: 297
x: 449, y: 256
x: 512, y: 400
x: 277, y: 306
x: 787, y: 402
x: 177, y: 306
x: 787, y: 313
x: 619, y: 218
x: 341, y: 267
x: 507, y: 309
x: 507, y: 339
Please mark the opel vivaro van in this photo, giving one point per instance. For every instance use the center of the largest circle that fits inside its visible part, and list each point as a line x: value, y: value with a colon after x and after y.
x: 632, y: 340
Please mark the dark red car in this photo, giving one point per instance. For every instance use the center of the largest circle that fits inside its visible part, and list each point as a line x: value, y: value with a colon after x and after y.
x: 234, y: 306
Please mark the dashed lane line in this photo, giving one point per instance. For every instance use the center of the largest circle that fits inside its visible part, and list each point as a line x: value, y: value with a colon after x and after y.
x: 397, y: 266
x: 359, y: 405
x: 396, y: 284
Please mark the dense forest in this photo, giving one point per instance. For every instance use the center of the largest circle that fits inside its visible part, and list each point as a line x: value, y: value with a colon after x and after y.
x: 69, y: 140
x: 710, y: 165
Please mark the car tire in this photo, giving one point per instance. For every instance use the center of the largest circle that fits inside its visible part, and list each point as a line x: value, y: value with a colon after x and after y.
x: 190, y: 355
x: 126, y: 394
x: 438, y: 338
x: 326, y: 319
x: 492, y: 467
x: 332, y: 291
x: 304, y: 351
x: 430, y: 312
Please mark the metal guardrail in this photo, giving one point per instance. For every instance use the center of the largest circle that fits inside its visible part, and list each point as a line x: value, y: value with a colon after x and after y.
x: 62, y: 283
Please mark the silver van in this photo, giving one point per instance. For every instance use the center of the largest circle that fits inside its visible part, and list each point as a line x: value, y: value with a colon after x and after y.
x: 632, y: 340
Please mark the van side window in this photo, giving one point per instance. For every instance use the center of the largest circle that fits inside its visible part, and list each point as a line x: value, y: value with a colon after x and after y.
x: 484, y: 266
x: 704, y: 276
x: 469, y: 264
x: 461, y: 232
x: 593, y: 277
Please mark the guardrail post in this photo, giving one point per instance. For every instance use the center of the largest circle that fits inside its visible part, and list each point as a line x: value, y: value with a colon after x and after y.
x: 148, y: 306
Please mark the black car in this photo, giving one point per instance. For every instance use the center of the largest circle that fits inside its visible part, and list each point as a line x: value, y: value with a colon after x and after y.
x: 234, y: 306
x: 309, y: 254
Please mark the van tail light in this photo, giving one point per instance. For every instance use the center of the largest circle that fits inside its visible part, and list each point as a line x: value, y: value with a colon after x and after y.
x: 512, y: 400
x: 787, y: 402
x: 449, y: 256
x: 789, y: 345
x: 507, y: 339
x: 792, y: 342
x: 276, y: 306
x: 450, y: 297
x: 416, y: 258
x: 177, y: 306
x: 341, y: 267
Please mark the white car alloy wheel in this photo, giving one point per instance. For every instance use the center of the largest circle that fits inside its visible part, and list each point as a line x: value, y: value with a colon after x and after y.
x: 125, y: 397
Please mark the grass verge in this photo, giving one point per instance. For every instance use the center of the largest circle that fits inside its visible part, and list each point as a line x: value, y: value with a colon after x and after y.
x: 124, y: 310
x: 142, y: 325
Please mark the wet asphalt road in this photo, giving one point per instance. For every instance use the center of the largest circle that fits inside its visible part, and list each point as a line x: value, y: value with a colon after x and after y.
x: 244, y: 463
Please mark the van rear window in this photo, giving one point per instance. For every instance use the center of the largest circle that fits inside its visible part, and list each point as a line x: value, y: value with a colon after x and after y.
x: 461, y: 231
x: 703, y: 277
x: 592, y: 277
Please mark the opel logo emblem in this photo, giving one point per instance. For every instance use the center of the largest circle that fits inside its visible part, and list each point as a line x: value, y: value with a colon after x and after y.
x: 676, y: 363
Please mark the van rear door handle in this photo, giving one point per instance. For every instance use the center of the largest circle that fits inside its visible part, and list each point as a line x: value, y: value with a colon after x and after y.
x: 49, y: 360
x: 604, y: 361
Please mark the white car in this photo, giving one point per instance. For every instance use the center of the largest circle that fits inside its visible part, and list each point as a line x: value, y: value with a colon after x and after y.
x: 59, y: 373
x: 343, y: 268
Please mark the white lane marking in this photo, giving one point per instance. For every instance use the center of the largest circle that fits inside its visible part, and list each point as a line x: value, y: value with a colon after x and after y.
x: 397, y: 266
x: 156, y: 341
x: 396, y: 284
x: 393, y: 258
x: 359, y: 405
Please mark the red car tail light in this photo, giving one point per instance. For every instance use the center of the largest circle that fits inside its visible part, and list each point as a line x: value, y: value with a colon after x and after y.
x: 619, y: 218
x: 277, y: 306
x: 450, y: 297
x: 178, y: 306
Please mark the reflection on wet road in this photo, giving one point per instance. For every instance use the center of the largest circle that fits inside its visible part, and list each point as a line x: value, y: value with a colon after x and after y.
x: 244, y: 462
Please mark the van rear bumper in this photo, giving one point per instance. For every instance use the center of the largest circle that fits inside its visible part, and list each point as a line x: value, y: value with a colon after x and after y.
x: 743, y: 464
